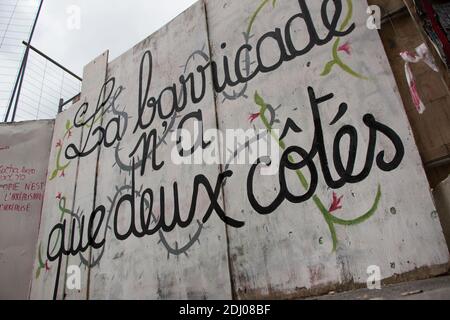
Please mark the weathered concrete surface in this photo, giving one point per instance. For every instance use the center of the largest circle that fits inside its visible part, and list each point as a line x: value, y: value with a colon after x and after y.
x: 290, y: 251
x: 442, y: 201
x: 70, y: 190
x: 189, y: 263
x: 59, y: 191
x: 94, y: 76
x: 24, y: 154
x: 429, y: 289
x: 375, y: 212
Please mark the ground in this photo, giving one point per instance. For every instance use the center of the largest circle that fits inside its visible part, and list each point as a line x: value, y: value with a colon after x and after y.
x: 431, y: 289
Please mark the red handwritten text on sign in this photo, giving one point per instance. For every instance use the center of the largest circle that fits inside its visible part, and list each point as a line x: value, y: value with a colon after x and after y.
x: 19, y: 189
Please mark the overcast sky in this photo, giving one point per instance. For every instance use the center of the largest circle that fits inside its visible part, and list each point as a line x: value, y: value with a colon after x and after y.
x: 116, y: 25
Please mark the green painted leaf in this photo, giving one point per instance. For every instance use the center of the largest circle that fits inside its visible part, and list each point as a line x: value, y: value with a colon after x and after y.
x: 40, y: 255
x: 68, y: 125
x: 54, y: 175
x: 362, y: 218
x: 328, y: 68
x: 38, y: 273
x: 259, y: 101
x: 350, y: 71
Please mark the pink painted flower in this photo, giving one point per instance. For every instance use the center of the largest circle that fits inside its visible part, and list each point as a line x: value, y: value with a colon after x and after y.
x: 336, y: 204
x: 47, y: 267
x: 63, y: 174
x: 252, y: 117
x: 346, y: 48
x: 70, y: 134
x: 59, y: 196
x: 59, y: 144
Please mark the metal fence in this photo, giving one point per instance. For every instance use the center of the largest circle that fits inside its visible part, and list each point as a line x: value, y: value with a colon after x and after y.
x: 44, y: 81
x: 45, y: 84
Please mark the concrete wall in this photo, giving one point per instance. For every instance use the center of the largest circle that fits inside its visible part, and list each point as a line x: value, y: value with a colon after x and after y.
x: 24, y: 153
x: 350, y: 191
x: 442, y: 199
x: 362, y: 79
x: 70, y: 187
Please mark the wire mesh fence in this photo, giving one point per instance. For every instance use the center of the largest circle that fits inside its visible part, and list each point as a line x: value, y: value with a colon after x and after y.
x: 44, y: 81
x: 43, y: 86
x: 16, y: 20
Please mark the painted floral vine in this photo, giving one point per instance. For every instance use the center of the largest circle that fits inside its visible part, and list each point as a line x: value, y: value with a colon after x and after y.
x: 60, y: 169
x: 346, y: 48
x: 336, y: 203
